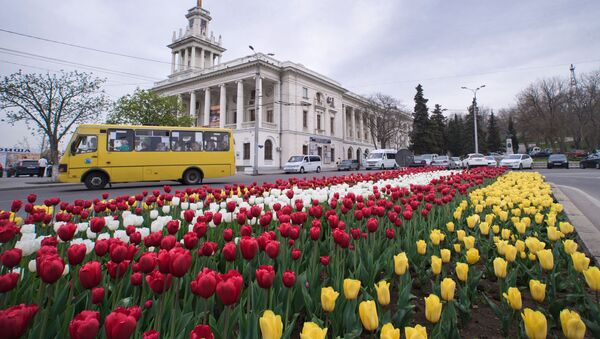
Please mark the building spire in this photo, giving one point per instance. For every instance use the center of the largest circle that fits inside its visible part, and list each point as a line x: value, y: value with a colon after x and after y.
x: 199, y: 3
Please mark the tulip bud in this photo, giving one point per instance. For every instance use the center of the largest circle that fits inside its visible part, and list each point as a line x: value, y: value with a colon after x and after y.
x: 513, y: 297
x: 351, y: 288
x: 433, y: 308
x: 462, y: 271
x: 592, y: 278
x: 500, y: 267
x: 328, y: 298
x: 400, y: 263
x: 367, y: 311
x: 572, y: 325
x: 271, y: 325
x: 436, y: 264
x: 537, y: 290
x: 535, y: 323
x: 383, y: 292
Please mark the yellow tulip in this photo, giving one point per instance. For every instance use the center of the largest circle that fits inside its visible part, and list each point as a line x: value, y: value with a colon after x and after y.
x: 421, y: 247
x: 328, y: 298
x: 534, y: 244
x: 450, y: 226
x: 457, y: 248
x: 500, y: 267
x: 501, y: 246
x: 489, y: 218
x: 460, y: 235
x: 539, y: 218
x: 389, y: 332
x: 592, y: 278
x: 551, y: 219
x: 472, y: 256
x: 495, y: 229
x: 435, y: 236
x: 367, y: 310
x: 271, y: 326
x: 537, y: 290
x: 351, y: 288
x: 400, y: 263
x: 536, y: 326
x: 505, y: 234
x: 436, y: 264
x: 513, y: 297
x: 510, y: 253
x: 311, y: 330
x: 521, y: 227
x: 472, y: 220
x: 383, y: 292
x: 546, y: 259
x: 503, y: 215
x: 448, y: 286
x: 469, y: 242
x: 570, y: 246
x: 580, y: 261
x: 433, y: 308
x: 457, y: 214
x: 417, y: 332
x: 526, y: 221
x: 484, y: 228
x: 462, y: 271
x: 566, y: 227
x: 572, y: 325
x: 520, y: 245
x: 445, y: 254
x: 553, y: 233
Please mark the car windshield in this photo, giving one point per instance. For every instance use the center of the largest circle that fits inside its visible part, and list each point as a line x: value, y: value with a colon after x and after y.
x: 375, y: 156
x: 513, y: 157
x: 557, y: 157
x: 441, y: 158
x: 296, y: 158
x: 455, y: 158
x: 427, y: 156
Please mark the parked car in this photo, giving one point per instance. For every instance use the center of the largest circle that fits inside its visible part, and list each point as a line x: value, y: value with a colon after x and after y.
x: 557, y: 160
x: 474, y: 160
x: 455, y: 163
x: 302, y: 164
x: 381, y: 159
x: 1, y: 171
x: 577, y: 154
x: 591, y: 161
x: 441, y: 161
x: 418, y: 161
x: 517, y: 161
x: 348, y: 165
x: 429, y: 158
x: 491, y: 161
x: 23, y: 167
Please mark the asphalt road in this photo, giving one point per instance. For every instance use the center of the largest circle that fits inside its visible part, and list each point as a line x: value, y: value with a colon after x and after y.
x: 581, y: 186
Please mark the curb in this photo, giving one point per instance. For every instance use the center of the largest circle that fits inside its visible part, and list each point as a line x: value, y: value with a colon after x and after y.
x: 588, y: 233
x: 36, y: 185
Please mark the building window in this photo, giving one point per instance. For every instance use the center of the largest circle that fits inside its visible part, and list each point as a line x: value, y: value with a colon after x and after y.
x: 332, y: 151
x: 246, y: 151
x: 252, y: 95
x: 305, y: 92
x: 252, y: 115
x: 320, y: 152
x: 331, y: 125
x: 305, y: 119
x: 318, y: 122
x: 270, y: 116
x: 268, y: 150
x: 305, y: 149
x: 235, y: 117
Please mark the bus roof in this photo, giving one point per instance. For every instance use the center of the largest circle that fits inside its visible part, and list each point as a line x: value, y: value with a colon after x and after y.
x: 152, y: 127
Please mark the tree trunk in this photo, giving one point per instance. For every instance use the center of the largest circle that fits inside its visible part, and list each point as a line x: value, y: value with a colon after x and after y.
x: 54, y: 157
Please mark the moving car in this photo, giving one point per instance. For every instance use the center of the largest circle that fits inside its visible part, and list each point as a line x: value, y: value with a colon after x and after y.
x: 23, y: 167
x: 441, y: 161
x: 491, y: 161
x: 474, y: 160
x: 557, y: 160
x: 455, y: 163
x: 302, y: 164
x: 591, y: 161
x: 517, y: 161
x: 348, y: 165
x: 381, y: 159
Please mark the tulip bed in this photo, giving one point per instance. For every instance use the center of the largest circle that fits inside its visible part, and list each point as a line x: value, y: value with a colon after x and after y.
x: 417, y: 250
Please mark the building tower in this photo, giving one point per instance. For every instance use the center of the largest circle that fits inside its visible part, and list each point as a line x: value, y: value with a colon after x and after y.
x: 573, y: 80
x: 195, y: 49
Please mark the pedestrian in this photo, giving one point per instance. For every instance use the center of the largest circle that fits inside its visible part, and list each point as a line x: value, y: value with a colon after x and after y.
x: 42, y: 164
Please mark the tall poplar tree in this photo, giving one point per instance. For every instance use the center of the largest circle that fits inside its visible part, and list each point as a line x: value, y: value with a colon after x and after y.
x: 494, y: 143
x: 438, y: 130
x: 420, y: 136
x: 454, y: 133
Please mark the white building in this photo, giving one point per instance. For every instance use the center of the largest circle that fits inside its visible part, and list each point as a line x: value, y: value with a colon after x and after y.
x: 298, y: 111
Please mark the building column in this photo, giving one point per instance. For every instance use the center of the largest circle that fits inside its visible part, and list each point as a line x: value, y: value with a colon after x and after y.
x: 185, y: 59
x: 193, y: 58
x: 259, y: 101
x: 219, y: 59
x: 277, y: 103
x: 173, y: 59
x: 202, y: 58
x: 344, y: 122
x: 180, y: 68
x: 223, y: 106
x: 193, y: 105
x: 207, y: 106
x: 362, y: 125
x: 240, y: 104
x: 353, y: 115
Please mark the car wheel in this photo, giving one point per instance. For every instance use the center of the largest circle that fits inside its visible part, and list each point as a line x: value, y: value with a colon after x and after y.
x: 581, y: 165
x: 319, y: 169
x: 598, y: 165
x: 301, y: 170
x: 192, y: 177
x: 548, y: 166
x: 521, y: 166
x: 382, y: 167
x: 95, y: 180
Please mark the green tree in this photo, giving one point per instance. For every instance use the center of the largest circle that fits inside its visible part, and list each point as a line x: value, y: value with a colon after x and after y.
x: 438, y: 130
x: 468, y: 131
x: 52, y: 103
x: 148, y: 108
x: 454, y: 133
x: 512, y: 134
x: 420, y: 136
x: 494, y: 143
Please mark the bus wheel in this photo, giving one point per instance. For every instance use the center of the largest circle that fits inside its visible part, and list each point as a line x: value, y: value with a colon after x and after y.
x: 192, y: 177
x: 95, y: 180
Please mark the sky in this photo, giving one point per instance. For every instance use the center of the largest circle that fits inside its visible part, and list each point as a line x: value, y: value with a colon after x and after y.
x: 386, y: 46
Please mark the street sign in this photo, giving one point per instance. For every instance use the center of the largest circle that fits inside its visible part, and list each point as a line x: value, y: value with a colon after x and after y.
x: 15, y: 150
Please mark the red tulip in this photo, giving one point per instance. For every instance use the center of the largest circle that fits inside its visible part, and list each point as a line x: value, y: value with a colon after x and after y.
x: 229, y: 287
x: 289, y: 278
x: 136, y: 279
x: 31, y: 198
x: 231, y: 206
x: 97, y: 295
x: 8, y: 281
x: 229, y: 251
x: 49, y: 241
x: 205, y: 283
x: 14, y: 320
x: 217, y: 217
x: 148, y: 262
x: 76, y: 254
x: 227, y: 234
x: 50, y: 268
x: 118, y: 253
x: 190, y: 240
x: 372, y: 225
x: 180, y: 261
x: 66, y: 231
x: 265, y: 275
x: 158, y: 282
x: 90, y: 274
x: 85, y: 325
x: 119, y: 325
x: 16, y: 206
x: 12, y: 257
x: 101, y: 247
x: 325, y: 260
x: 117, y: 270
x: 390, y: 233
x: 168, y: 242
x: 272, y: 249
x: 315, y: 233
x: 148, y: 304
x: 189, y: 215
x: 201, y: 332
x: 153, y: 239
x: 248, y: 247
x: 173, y: 226
x: 8, y: 231
x: 152, y: 334
x: 407, y: 214
x: 296, y: 253
x: 97, y: 224
x: 246, y: 230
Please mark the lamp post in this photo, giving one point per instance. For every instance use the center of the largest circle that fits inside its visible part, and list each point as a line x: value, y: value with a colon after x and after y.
x: 257, y: 95
x: 474, y: 90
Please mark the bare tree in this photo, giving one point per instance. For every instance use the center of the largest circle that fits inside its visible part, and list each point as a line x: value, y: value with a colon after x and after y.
x: 52, y: 103
x: 584, y: 106
x: 385, y: 119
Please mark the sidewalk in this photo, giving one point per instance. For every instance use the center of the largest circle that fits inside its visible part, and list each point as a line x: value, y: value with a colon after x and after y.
x: 588, y: 233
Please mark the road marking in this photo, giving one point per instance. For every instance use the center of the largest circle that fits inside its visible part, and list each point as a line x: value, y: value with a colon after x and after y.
x: 587, y: 196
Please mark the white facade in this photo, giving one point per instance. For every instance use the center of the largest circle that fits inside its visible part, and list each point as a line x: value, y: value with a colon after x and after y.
x: 299, y: 111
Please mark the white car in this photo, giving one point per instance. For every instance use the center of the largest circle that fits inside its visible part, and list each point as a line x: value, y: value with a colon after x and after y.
x: 441, y: 161
x: 381, y: 159
x: 455, y: 163
x: 491, y: 161
x: 474, y: 160
x: 302, y: 164
x: 429, y: 158
x: 517, y: 161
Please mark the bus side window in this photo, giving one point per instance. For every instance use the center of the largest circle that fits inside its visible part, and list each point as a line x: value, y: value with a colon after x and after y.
x: 216, y: 141
x: 186, y: 141
x: 120, y: 140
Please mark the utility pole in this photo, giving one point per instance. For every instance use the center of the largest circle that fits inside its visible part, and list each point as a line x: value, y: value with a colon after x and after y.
x: 474, y: 90
x: 257, y: 95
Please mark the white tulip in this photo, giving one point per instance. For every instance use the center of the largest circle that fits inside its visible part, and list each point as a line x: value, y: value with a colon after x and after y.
x: 185, y: 205
x: 153, y: 214
x: 32, y: 266
x: 175, y: 201
x: 27, y: 228
x: 66, y: 270
x: 166, y: 209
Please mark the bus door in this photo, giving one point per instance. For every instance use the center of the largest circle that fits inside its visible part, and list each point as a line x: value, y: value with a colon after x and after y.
x: 83, y: 154
x: 121, y: 162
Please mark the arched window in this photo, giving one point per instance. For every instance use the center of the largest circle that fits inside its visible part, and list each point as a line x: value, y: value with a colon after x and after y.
x: 349, y: 152
x: 268, y: 150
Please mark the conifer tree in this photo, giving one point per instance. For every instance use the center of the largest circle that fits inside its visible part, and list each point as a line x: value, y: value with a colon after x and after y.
x: 438, y: 131
x: 420, y: 136
x: 494, y: 143
x: 454, y: 132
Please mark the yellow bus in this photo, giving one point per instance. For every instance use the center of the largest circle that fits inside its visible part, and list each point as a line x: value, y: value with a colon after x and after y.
x: 102, y: 154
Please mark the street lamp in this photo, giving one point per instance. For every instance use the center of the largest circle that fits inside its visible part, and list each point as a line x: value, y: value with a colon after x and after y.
x: 475, y: 112
x: 257, y: 95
